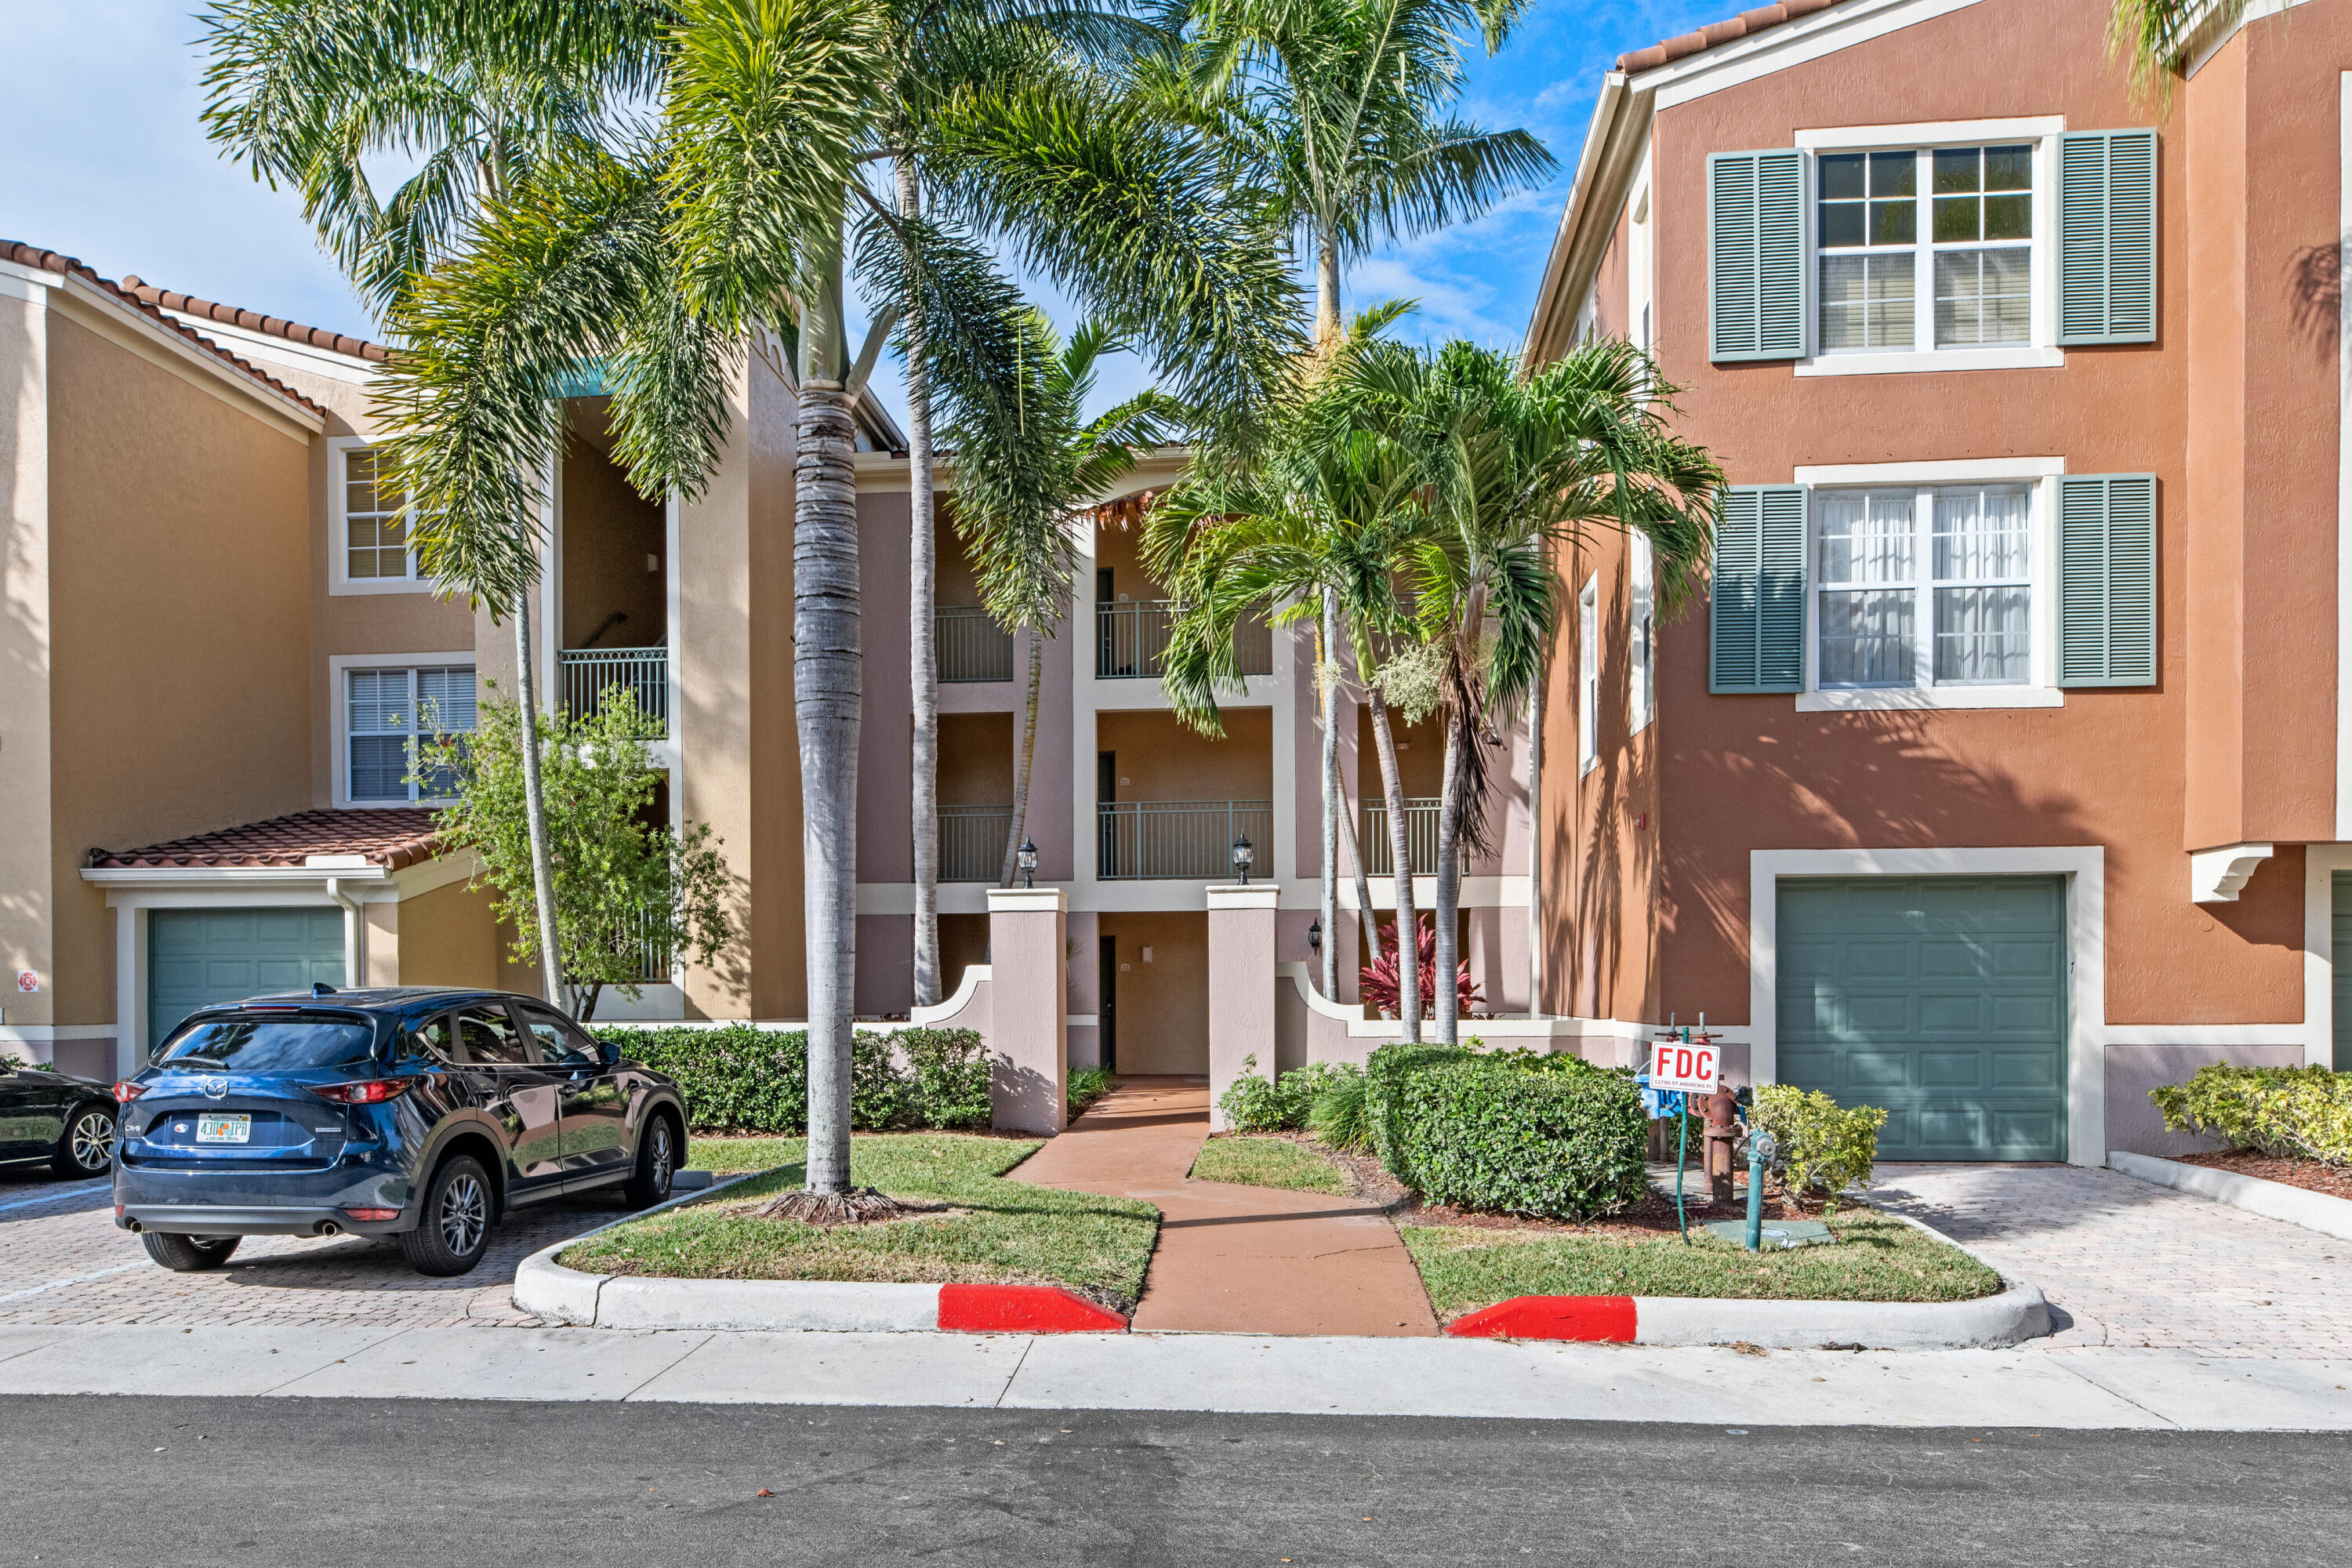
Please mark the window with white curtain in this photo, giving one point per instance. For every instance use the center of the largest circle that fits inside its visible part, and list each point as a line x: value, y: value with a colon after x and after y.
x: 1588, y: 668
x: 1924, y: 586
x: 1641, y: 615
x: 388, y: 712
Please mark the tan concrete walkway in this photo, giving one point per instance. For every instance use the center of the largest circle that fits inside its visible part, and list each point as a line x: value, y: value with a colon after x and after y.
x: 1233, y: 1259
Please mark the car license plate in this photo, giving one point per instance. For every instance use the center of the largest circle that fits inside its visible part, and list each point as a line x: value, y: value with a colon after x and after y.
x: 223, y: 1128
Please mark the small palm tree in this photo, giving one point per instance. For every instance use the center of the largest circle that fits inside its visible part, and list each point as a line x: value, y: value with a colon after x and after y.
x: 1509, y: 469
x: 1019, y: 483
x: 2152, y: 38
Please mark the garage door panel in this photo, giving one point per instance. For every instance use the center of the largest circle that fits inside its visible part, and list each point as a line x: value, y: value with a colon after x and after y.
x: 1938, y: 999
x: 196, y: 958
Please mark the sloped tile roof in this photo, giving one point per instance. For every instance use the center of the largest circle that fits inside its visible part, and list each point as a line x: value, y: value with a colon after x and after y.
x: 1724, y: 32
x: 391, y: 838
x: 254, y: 322
x: 66, y: 266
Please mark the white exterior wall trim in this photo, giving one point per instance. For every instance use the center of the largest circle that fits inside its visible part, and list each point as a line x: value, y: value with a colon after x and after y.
x: 1788, y: 44
x: 2085, y: 870
x: 2344, y: 464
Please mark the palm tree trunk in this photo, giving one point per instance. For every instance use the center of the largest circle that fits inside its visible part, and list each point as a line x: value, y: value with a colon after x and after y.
x: 1023, y: 758
x: 1444, y: 983
x: 827, y: 688
x: 1326, y: 667
x: 1408, y: 925
x: 924, y: 667
x: 1327, y: 287
x: 534, y: 807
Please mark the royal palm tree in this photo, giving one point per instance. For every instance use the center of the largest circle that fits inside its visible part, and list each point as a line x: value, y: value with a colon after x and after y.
x: 1019, y: 492
x: 668, y: 247
x: 1511, y: 469
x: 305, y: 92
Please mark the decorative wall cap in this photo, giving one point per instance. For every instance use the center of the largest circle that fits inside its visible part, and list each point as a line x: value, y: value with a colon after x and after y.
x: 1235, y: 896
x: 1028, y: 901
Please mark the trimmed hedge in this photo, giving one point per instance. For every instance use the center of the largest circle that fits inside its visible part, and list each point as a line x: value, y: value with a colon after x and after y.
x: 2285, y: 1113
x: 1521, y: 1133
x: 739, y: 1078
x: 1254, y: 1104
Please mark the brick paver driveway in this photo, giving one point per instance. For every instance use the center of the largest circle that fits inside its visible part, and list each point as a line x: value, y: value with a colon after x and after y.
x: 62, y: 1261
x: 2136, y: 1267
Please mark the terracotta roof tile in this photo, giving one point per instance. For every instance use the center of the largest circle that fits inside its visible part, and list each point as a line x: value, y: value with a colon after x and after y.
x: 66, y: 266
x: 276, y: 327
x: 1722, y: 32
x: 392, y: 839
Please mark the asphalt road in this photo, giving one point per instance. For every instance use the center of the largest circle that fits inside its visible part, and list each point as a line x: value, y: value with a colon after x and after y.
x: 104, y: 1480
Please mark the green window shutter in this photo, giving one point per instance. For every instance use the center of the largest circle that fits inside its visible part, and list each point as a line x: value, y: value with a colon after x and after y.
x: 2106, y: 580
x: 1756, y: 255
x: 2107, y: 236
x: 1755, y: 604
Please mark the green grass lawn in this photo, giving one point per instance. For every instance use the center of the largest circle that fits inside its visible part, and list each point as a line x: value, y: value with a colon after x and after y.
x: 1878, y: 1259
x: 997, y: 1232
x: 1266, y: 1162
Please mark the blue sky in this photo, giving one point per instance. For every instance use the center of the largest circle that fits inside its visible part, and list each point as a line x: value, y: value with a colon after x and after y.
x: 110, y: 164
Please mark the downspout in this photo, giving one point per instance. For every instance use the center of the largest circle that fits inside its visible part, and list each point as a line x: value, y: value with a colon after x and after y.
x: 354, y: 929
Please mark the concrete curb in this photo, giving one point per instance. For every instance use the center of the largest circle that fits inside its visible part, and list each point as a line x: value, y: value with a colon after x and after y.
x: 2272, y: 1200
x: 2020, y: 1312
x: 547, y: 1289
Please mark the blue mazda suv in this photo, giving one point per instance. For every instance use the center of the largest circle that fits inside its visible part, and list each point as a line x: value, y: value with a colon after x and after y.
x: 419, y: 1115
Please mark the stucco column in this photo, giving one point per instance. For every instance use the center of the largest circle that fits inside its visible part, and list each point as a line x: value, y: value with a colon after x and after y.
x: 1240, y: 983
x: 1028, y: 974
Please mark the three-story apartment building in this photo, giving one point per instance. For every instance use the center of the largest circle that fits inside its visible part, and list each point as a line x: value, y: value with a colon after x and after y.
x: 2000, y: 773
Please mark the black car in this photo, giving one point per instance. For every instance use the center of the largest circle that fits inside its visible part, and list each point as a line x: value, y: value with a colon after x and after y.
x: 419, y: 1114
x: 55, y: 1117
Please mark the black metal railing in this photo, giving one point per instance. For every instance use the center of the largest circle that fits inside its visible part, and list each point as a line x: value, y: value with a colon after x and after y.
x: 1131, y: 640
x: 1142, y: 840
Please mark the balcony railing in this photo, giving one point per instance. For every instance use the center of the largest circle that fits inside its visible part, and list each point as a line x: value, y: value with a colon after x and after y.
x: 971, y: 842
x: 971, y: 644
x: 1420, y: 838
x: 1140, y: 840
x: 589, y: 673
x: 1132, y: 639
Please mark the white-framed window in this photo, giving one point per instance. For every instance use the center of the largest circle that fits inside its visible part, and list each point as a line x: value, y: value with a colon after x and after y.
x: 1925, y: 586
x: 1641, y: 633
x: 1587, y: 675
x: 385, y: 712
x: 367, y: 525
x: 1931, y: 246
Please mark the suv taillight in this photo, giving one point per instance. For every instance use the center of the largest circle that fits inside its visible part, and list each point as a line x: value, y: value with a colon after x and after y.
x: 126, y: 1091
x: 367, y: 1092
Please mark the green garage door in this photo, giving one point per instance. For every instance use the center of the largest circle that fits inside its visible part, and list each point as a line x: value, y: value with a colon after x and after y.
x: 195, y: 957
x: 1941, y: 999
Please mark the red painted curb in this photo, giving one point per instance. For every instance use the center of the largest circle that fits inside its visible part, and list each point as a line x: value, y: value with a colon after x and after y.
x: 1022, y: 1309
x: 1592, y: 1319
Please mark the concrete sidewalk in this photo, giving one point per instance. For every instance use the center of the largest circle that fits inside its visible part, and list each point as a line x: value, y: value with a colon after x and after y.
x: 1231, y: 1373
x: 1234, y: 1258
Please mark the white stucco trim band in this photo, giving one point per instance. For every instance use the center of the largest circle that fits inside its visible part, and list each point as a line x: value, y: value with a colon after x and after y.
x: 2085, y: 870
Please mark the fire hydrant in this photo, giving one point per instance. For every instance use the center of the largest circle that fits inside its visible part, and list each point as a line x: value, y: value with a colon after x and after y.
x: 1722, y: 1109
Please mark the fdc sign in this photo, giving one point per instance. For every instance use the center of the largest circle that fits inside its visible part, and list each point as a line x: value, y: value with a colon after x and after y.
x: 1688, y: 1066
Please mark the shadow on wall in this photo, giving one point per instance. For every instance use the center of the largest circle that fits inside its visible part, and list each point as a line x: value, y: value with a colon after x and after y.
x: 1862, y: 780
x: 2315, y: 295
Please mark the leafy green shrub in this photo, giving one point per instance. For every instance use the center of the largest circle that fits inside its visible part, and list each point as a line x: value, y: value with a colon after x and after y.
x: 739, y: 1078
x: 1338, y: 1115
x: 1087, y: 1085
x: 1254, y: 1104
x: 1487, y: 1132
x: 1824, y: 1147
x: 2285, y: 1113
x: 1384, y: 1075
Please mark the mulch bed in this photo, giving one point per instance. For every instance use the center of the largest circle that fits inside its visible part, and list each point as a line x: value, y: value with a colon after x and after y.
x: 2311, y: 1175
x: 1653, y: 1215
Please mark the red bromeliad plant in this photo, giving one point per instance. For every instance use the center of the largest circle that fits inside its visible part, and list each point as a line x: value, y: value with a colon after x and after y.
x: 1380, y: 981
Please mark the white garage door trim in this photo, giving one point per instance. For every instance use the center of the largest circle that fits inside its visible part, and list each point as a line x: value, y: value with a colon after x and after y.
x: 2085, y: 870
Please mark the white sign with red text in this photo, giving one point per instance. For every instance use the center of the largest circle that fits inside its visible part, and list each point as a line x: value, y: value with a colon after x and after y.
x: 1689, y: 1066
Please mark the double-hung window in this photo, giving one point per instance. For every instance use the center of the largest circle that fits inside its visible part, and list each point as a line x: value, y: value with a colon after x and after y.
x: 1926, y: 249
x: 388, y: 714
x: 1587, y: 672
x: 1641, y: 630
x: 1924, y: 586
x: 369, y: 524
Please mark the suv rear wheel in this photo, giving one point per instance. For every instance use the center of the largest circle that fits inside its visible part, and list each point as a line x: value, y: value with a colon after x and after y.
x: 189, y: 1254
x: 453, y: 1226
x: 657, y: 1162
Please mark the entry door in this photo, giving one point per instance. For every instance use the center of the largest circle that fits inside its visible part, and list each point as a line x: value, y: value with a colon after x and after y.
x: 1940, y: 999
x: 1107, y: 1026
x: 198, y: 957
